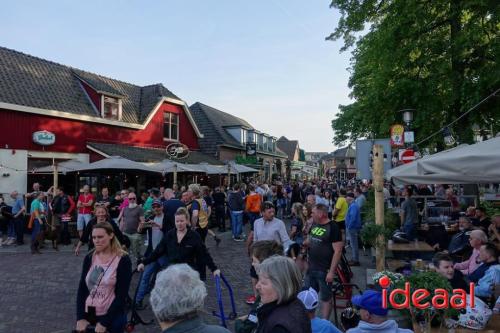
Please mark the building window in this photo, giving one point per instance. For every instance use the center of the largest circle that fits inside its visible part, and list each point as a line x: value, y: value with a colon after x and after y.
x: 170, y: 126
x: 111, y: 108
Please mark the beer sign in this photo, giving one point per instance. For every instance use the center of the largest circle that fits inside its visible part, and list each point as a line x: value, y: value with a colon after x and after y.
x: 397, y: 136
x: 44, y: 138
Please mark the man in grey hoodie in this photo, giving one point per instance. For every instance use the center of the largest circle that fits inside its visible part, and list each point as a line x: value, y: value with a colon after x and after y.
x: 373, y: 315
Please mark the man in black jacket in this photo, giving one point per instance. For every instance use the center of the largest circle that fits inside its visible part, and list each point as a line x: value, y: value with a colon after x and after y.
x: 62, y: 207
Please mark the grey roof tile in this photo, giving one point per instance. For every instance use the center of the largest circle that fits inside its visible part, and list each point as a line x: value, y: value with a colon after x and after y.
x: 287, y: 146
x: 30, y: 81
x: 147, y: 154
x: 213, y: 123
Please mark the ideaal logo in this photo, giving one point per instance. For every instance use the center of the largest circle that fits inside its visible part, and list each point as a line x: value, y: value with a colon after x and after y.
x: 440, y: 300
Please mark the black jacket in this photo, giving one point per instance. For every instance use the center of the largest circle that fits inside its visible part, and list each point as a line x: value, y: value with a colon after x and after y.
x: 290, y: 317
x: 235, y: 201
x: 118, y: 306
x: 64, y: 204
x: 190, y: 250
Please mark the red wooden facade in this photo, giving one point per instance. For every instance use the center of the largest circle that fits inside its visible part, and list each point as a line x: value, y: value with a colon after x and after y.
x: 72, y: 135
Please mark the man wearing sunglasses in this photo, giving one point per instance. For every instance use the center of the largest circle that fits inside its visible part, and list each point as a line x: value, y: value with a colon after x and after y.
x: 131, y: 223
x: 373, y: 315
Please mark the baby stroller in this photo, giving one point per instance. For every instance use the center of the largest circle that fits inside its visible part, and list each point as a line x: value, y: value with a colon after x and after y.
x: 135, y: 318
x: 218, y: 291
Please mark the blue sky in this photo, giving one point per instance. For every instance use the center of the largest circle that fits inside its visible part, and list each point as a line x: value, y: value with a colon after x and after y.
x: 266, y: 61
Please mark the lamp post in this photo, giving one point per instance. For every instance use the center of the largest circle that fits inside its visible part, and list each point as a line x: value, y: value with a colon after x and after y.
x: 408, y: 118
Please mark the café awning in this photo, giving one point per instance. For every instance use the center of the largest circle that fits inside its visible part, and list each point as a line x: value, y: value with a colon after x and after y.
x: 465, y: 164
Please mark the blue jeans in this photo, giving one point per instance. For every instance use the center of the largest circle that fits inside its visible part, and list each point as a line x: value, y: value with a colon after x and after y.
x: 252, y: 217
x: 11, y: 230
x: 317, y: 280
x: 352, y: 234
x: 149, y: 270
x: 36, y: 230
x: 410, y: 231
x: 237, y: 223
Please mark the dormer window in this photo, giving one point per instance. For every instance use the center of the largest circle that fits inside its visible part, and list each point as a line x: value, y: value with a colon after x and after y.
x: 170, y: 126
x: 111, y: 108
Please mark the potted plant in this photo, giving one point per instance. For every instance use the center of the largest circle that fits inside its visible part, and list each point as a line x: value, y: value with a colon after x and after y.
x: 421, y: 318
x: 370, y: 233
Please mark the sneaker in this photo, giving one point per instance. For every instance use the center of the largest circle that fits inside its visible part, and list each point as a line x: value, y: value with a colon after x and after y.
x: 238, y: 239
x: 250, y: 300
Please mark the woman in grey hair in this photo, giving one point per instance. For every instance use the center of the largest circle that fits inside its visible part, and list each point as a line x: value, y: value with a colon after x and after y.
x: 279, y: 283
x: 177, y: 298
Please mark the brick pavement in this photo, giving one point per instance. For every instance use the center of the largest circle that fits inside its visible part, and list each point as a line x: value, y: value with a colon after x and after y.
x: 38, y: 292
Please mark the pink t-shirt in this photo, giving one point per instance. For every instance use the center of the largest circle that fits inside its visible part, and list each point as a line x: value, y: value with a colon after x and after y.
x: 85, y: 198
x: 101, y: 282
x: 469, y: 266
x: 124, y: 204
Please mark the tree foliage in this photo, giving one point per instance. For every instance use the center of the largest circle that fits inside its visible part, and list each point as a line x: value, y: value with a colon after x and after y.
x: 438, y: 57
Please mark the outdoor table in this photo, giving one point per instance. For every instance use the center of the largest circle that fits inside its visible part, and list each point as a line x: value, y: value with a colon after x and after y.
x: 395, y: 264
x: 493, y: 326
x: 418, y: 246
x: 450, y: 229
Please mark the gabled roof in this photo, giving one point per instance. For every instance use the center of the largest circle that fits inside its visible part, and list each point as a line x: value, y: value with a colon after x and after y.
x: 288, y: 146
x: 147, y: 154
x: 213, y: 123
x: 33, y: 82
x: 346, y: 152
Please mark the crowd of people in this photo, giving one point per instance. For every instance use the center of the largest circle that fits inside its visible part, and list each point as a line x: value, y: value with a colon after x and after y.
x: 162, y: 233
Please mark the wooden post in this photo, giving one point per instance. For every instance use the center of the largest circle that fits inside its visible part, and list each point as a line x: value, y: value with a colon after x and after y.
x: 378, y: 185
x: 228, y: 175
x: 175, y: 174
x: 54, y: 189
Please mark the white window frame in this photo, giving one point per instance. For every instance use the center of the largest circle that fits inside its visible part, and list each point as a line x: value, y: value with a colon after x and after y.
x: 170, y: 124
x: 119, y: 107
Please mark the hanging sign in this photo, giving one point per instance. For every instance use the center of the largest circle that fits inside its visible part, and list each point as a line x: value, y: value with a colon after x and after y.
x: 409, y: 137
x: 251, y: 149
x: 397, y: 136
x: 44, y: 138
x: 177, y: 150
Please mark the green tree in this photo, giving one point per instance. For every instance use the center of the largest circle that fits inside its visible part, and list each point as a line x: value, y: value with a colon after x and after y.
x: 438, y: 57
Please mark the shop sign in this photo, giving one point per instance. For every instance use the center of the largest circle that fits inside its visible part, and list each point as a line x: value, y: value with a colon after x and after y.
x: 251, y: 149
x: 397, y: 136
x: 251, y: 160
x: 44, y: 138
x: 409, y: 137
x: 177, y: 150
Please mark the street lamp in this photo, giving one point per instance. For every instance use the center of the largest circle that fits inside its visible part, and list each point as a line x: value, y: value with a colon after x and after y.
x: 407, y: 116
x: 477, y: 132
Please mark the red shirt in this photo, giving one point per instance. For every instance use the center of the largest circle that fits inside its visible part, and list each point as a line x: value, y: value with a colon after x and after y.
x: 85, y: 198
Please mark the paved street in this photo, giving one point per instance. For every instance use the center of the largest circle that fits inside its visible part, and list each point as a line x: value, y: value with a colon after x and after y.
x: 38, y: 292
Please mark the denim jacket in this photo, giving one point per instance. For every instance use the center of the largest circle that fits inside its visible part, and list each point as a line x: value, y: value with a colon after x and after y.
x: 490, y: 278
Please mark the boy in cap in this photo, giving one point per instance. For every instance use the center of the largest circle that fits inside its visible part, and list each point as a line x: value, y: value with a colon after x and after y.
x: 310, y: 299
x: 373, y: 315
